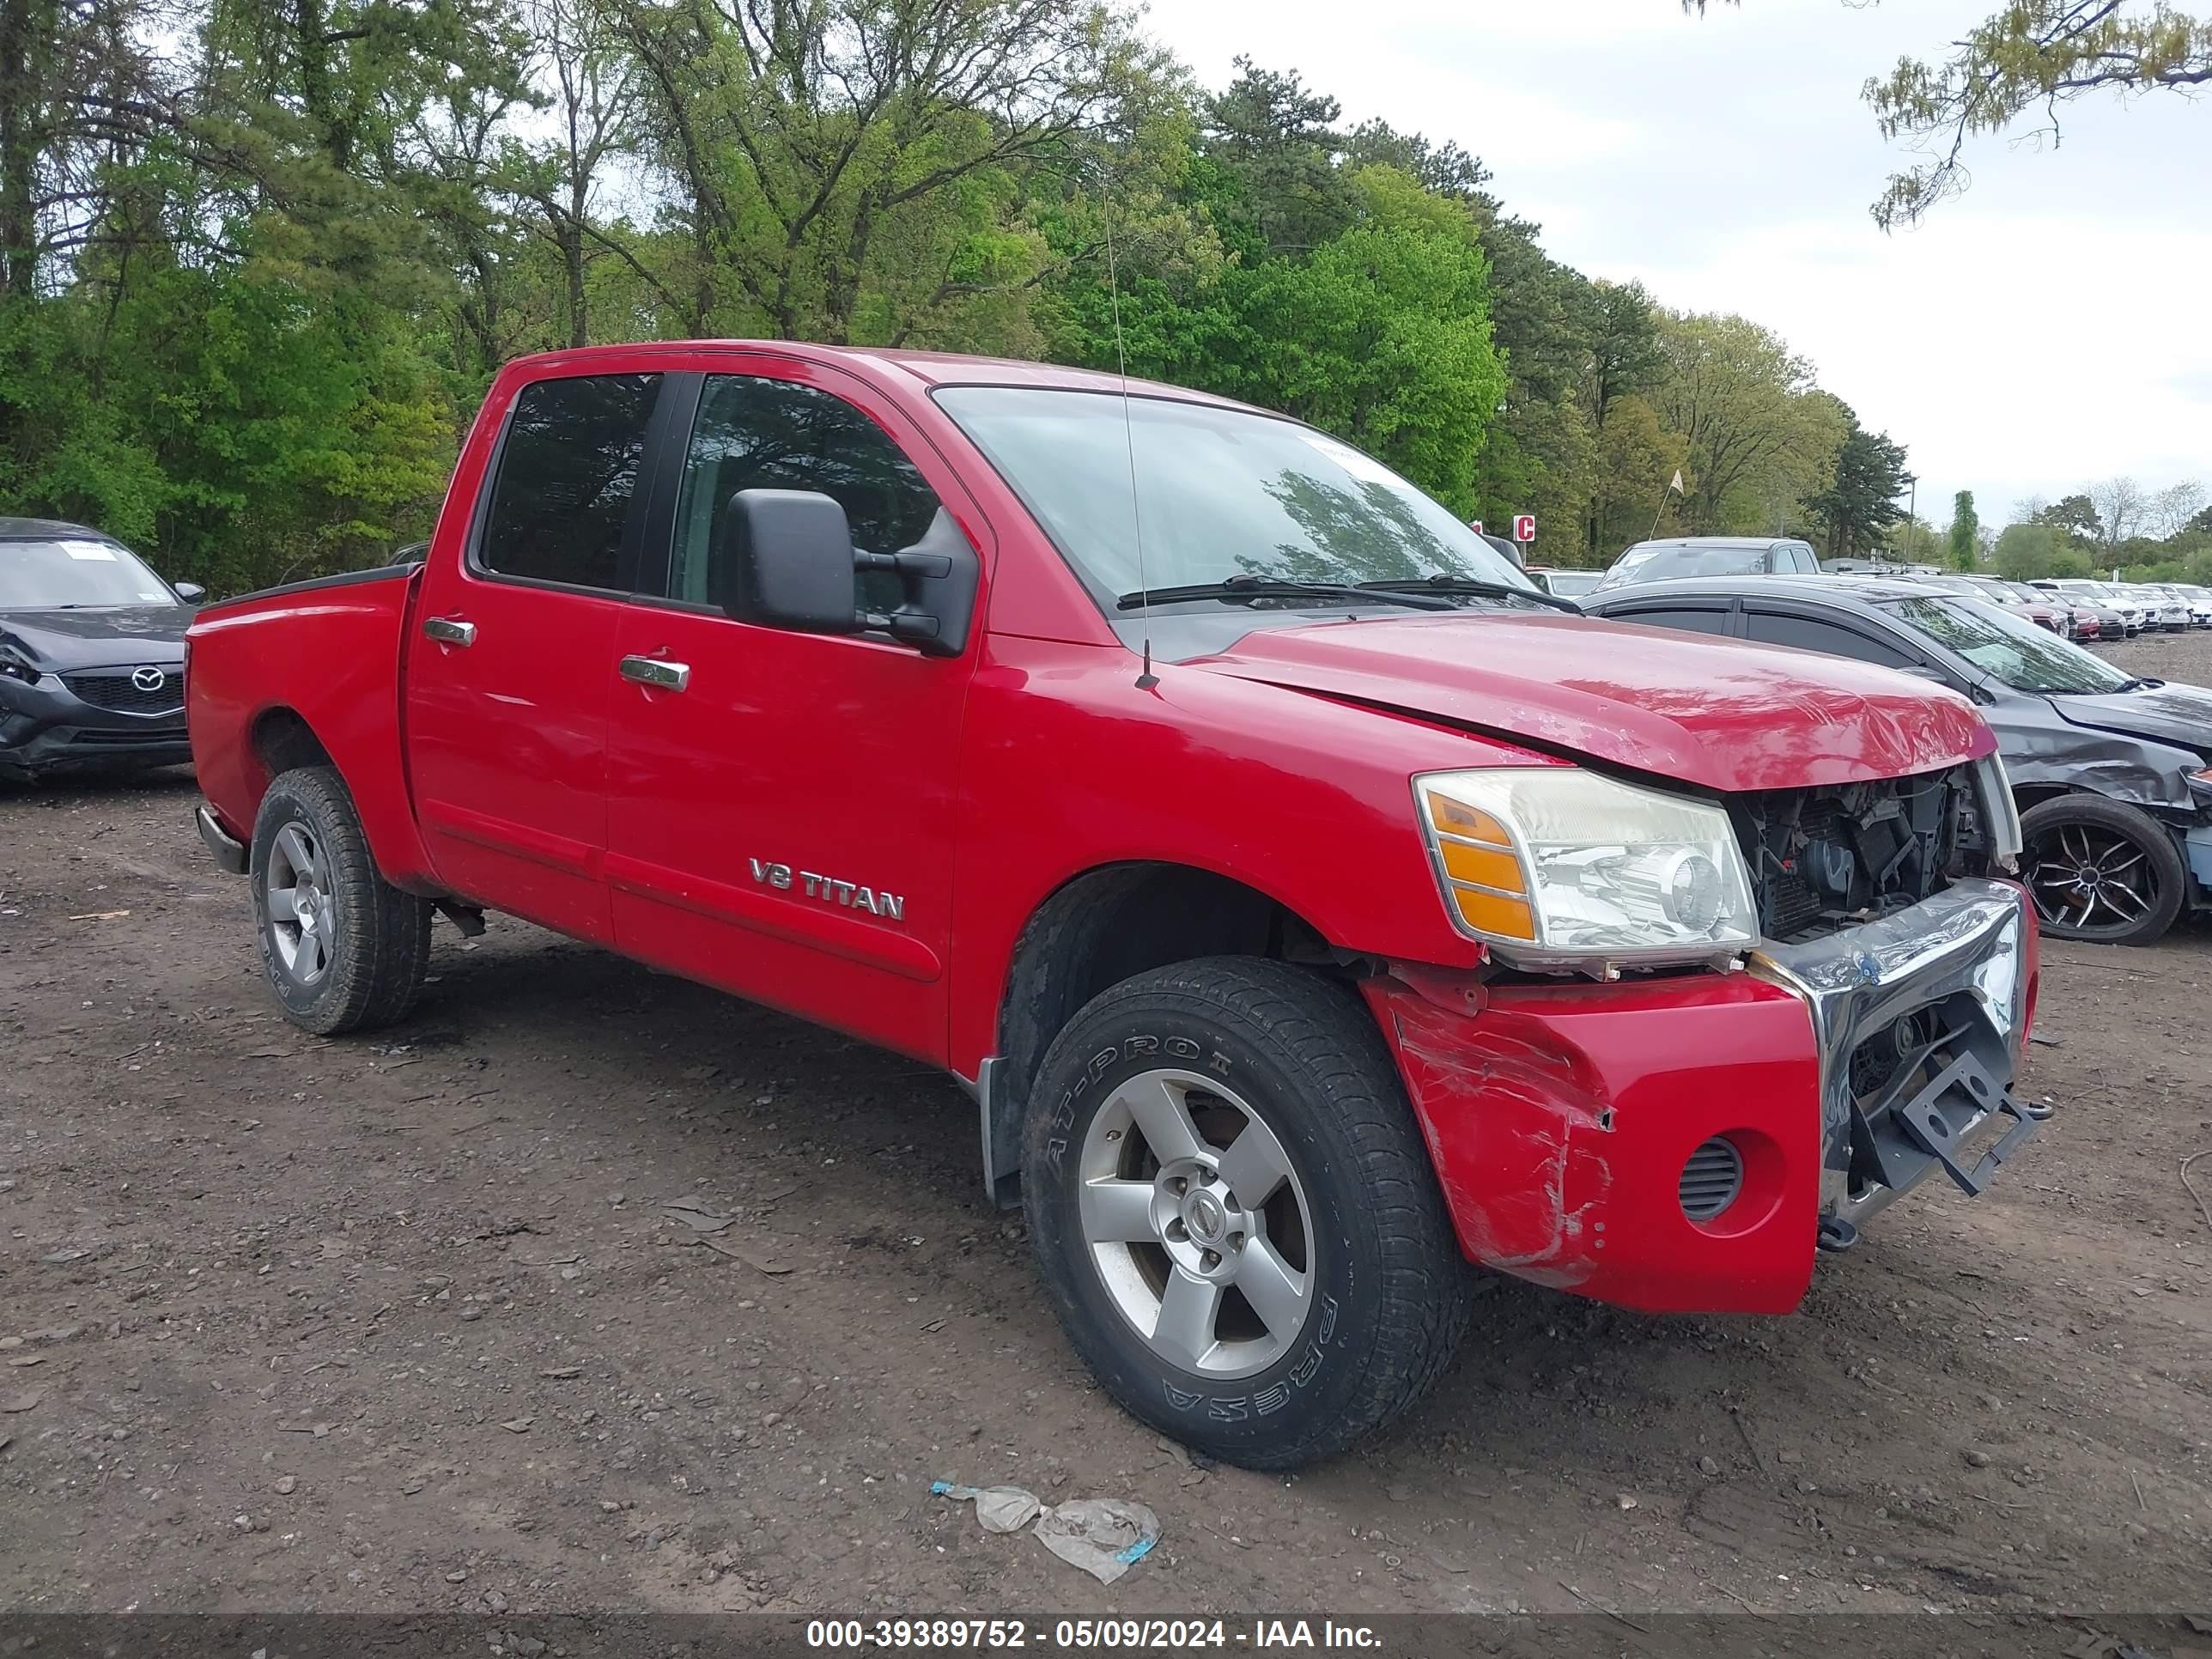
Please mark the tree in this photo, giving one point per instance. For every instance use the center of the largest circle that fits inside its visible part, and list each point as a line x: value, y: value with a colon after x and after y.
x: 2119, y: 504
x: 2172, y: 508
x: 2075, y: 515
x: 824, y: 148
x: 1965, y: 532
x: 2031, y: 55
x: 1279, y: 138
x: 1755, y: 428
x: 2028, y: 552
x: 1859, y: 503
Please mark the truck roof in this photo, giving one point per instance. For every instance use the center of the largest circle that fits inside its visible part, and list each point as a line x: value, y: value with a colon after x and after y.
x: 921, y: 368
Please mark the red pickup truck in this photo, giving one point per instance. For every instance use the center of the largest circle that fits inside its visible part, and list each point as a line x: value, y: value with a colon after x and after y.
x: 1308, y: 901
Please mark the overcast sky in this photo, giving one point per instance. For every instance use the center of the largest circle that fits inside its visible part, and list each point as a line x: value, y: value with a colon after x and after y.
x: 2050, y: 327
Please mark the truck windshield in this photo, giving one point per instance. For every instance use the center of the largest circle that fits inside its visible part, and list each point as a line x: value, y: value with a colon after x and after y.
x: 1219, y: 493
x: 2011, y: 648
x: 66, y: 573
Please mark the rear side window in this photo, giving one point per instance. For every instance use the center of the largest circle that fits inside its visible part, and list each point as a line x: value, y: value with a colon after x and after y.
x: 1690, y: 618
x: 1830, y: 639
x: 1796, y: 558
x: 756, y: 433
x: 568, y: 470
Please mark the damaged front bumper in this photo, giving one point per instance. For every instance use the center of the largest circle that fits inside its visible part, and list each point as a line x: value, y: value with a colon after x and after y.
x: 1919, y: 1018
x: 1682, y: 1145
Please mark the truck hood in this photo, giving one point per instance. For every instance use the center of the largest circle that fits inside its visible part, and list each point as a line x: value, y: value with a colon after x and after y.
x: 96, y: 636
x: 2176, y: 714
x: 1720, y: 714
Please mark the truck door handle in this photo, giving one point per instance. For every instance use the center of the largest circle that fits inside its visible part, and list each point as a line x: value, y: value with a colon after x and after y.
x: 450, y: 630
x: 658, y: 672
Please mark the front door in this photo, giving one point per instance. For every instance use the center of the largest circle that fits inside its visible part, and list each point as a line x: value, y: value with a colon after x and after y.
x: 781, y: 806
x: 506, y: 686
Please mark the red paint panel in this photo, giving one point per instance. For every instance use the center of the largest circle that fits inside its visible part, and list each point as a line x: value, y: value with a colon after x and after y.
x: 1559, y: 1119
x: 332, y: 656
x: 1068, y: 765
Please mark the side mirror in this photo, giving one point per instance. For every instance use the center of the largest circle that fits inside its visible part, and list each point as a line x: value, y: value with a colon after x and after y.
x: 787, y: 560
x: 190, y: 592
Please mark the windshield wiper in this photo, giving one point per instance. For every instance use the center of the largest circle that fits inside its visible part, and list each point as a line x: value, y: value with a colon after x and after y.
x: 2133, y: 683
x: 1441, y: 583
x: 1236, y: 590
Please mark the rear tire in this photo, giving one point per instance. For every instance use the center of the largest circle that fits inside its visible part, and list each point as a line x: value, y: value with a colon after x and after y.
x: 2100, y: 870
x: 1268, y: 1298
x: 343, y: 949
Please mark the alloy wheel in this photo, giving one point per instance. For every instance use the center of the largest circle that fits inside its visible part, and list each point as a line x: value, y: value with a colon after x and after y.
x: 302, y: 916
x: 1197, y: 1224
x: 2089, y: 879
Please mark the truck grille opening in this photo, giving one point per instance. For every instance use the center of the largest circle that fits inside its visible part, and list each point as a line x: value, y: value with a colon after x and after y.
x: 114, y: 688
x: 1711, y: 1179
x: 1827, y: 857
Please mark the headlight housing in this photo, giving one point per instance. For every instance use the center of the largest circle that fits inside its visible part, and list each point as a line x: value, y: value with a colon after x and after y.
x: 1554, y: 865
x: 2000, y: 811
x: 12, y: 668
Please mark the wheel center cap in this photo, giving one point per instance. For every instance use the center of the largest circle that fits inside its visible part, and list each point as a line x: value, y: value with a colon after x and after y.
x: 1204, y: 1216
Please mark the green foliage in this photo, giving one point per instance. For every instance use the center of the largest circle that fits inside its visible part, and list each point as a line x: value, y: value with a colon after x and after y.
x: 1859, y: 503
x: 259, y: 260
x: 2032, y: 552
x: 1759, y: 437
x: 1965, y: 536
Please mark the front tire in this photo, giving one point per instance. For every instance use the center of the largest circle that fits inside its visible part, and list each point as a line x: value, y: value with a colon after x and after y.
x: 343, y: 949
x: 1234, y: 1213
x: 2100, y: 870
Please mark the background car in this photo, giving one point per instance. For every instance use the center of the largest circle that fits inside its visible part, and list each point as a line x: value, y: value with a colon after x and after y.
x: 92, y: 652
x: 2200, y: 603
x: 2044, y: 609
x: 2128, y: 613
x: 2112, y: 773
x: 1567, y: 584
x: 2169, y: 607
x: 1710, y: 555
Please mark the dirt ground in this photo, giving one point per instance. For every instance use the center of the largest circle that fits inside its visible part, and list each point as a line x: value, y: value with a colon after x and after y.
x: 404, y: 1323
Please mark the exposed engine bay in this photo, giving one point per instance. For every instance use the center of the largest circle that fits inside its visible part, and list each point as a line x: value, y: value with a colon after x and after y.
x: 1831, y: 857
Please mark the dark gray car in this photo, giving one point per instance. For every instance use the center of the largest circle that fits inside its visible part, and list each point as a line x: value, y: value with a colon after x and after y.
x: 92, y: 652
x: 2112, y: 773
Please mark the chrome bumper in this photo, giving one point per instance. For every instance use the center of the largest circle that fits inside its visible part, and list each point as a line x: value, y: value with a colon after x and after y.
x: 1960, y: 957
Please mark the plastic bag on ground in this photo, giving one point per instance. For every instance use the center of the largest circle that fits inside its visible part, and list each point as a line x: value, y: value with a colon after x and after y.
x: 1105, y: 1536
x: 1000, y: 1509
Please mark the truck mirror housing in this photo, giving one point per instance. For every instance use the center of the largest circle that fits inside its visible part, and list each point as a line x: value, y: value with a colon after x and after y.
x: 786, y: 562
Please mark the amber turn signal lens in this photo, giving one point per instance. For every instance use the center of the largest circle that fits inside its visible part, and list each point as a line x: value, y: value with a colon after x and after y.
x: 1454, y: 817
x: 1492, y: 869
x: 1488, y: 913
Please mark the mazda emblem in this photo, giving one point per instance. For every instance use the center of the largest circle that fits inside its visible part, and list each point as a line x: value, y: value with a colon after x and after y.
x: 148, y: 679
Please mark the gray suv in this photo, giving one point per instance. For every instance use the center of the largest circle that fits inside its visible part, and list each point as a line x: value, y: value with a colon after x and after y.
x: 1711, y: 555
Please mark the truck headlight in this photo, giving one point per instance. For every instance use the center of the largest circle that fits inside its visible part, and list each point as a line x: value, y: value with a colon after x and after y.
x: 1555, y: 862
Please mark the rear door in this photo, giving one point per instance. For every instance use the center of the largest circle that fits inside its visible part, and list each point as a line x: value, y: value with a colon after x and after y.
x: 781, y: 806
x: 507, y: 682
x: 1835, y: 636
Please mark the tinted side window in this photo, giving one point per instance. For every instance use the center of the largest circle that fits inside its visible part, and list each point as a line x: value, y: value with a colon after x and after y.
x: 1828, y: 638
x: 567, y: 472
x: 1690, y: 618
x: 772, y: 434
x: 1792, y: 557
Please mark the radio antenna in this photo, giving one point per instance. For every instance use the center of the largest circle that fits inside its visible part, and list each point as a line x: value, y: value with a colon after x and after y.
x: 1145, y: 680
